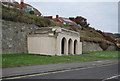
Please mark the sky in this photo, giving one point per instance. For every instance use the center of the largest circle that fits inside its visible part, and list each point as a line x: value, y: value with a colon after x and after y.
x: 102, y: 15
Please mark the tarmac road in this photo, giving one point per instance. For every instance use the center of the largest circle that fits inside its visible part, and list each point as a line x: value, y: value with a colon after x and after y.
x: 103, y: 72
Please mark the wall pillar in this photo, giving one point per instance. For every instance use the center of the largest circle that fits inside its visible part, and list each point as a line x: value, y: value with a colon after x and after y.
x: 58, y: 46
x: 72, y: 47
x: 80, y: 47
x: 66, y: 47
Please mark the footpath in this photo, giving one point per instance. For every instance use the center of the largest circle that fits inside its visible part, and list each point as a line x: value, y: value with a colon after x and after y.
x: 28, y: 70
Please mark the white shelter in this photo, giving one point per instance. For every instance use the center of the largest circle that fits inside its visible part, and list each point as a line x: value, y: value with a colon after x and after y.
x: 54, y: 41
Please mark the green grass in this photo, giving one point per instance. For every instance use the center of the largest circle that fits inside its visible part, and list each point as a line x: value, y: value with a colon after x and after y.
x: 13, y: 60
x: 0, y: 60
x: 0, y: 9
x: 103, y: 54
x: 77, y: 58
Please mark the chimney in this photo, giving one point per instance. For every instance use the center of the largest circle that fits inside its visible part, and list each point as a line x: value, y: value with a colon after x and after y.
x: 57, y: 16
x: 22, y: 1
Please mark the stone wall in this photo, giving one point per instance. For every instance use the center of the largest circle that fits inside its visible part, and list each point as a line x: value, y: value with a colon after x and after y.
x: 111, y: 48
x: 14, y: 36
x: 90, y: 46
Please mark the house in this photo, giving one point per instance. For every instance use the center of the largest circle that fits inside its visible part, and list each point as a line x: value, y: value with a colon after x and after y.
x: 28, y: 8
x: 65, y: 21
x: 22, y: 6
x: 54, y: 41
x: 62, y: 20
x: 11, y: 4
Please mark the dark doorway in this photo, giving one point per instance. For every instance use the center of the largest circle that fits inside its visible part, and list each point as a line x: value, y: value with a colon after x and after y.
x: 63, y: 46
x: 70, y: 46
x: 75, y: 47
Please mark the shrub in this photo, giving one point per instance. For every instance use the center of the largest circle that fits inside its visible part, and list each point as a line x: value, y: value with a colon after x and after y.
x: 20, y: 16
x: 32, y: 12
x: 104, y: 45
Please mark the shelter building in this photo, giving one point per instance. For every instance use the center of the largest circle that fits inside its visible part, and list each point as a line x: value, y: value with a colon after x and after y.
x: 54, y: 41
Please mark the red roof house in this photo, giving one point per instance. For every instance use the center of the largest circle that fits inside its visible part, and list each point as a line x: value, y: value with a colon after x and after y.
x: 63, y: 20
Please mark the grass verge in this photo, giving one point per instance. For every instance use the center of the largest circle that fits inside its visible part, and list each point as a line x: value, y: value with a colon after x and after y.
x: 77, y: 58
x: 103, y: 54
x: 15, y: 60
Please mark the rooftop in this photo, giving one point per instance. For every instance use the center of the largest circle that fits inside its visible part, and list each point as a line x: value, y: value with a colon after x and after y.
x: 47, y: 30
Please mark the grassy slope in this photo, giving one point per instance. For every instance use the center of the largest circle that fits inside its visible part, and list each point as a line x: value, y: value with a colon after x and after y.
x: 20, y: 16
x: 104, y: 54
x: 87, y: 34
x: 10, y: 60
x: 0, y: 60
x: 90, y: 35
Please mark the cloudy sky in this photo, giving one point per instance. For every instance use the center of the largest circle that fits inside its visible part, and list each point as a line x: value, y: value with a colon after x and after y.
x: 101, y: 15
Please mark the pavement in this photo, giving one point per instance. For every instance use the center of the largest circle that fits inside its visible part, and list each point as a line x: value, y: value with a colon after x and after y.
x: 28, y: 70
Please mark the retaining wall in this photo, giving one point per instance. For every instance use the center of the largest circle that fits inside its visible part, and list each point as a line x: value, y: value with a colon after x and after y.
x: 14, y: 38
x: 90, y: 46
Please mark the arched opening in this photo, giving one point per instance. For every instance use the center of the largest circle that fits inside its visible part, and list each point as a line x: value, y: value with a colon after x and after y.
x: 63, y: 46
x: 70, y: 46
x: 75, y: 47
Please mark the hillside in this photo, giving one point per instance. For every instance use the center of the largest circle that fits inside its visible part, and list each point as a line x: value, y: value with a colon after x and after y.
x: 88, y: 34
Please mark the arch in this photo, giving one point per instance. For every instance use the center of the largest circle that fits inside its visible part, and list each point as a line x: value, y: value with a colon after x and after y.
x: 63, y: 45
x: 70, y: 46
x: 75, y: 47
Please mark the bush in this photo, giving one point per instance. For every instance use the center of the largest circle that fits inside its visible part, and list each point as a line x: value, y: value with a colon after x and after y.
x: 32, y: 12
x: 104, y: 45
x: 20, y: 16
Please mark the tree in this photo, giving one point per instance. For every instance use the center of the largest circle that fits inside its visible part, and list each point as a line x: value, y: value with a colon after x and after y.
x: 32, y: 12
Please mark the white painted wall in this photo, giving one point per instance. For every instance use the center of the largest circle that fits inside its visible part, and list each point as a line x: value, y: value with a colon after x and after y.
x: 80, y: 47
x: 41, y: 45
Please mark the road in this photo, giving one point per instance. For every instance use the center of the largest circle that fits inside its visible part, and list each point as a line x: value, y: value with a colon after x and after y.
x: 98, y: 72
